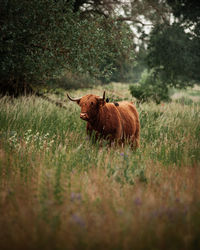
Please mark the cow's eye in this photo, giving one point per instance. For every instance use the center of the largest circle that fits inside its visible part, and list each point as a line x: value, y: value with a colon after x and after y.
x: 92, y: 103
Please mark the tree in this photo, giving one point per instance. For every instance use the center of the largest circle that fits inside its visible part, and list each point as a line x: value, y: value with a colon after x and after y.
x: 40, y: 38
x: 174, y: 48
x: 102, y: 7
x: 32, y: 42
x: 188, y: 13
x: 171, y: 54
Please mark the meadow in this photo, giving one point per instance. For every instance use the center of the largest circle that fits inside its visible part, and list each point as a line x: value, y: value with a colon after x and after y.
x: 59, y: 190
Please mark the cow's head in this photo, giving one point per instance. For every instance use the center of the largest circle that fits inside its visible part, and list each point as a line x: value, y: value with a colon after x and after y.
x: 90, y: 105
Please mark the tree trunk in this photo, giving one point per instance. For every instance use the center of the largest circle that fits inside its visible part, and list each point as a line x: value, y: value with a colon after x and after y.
x: 15, y: 88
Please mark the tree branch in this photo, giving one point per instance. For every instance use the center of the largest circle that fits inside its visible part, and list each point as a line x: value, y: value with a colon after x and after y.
x: 131, y: 19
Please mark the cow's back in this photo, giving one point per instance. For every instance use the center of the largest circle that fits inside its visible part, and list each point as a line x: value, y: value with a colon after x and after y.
x: 118, y: 121
x: 107, y: 123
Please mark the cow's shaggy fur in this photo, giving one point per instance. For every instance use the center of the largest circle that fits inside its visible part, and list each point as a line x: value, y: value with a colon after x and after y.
x: 117, y: 122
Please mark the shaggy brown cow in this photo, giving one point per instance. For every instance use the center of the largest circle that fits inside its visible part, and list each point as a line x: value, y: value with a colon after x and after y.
x: 113, y: 121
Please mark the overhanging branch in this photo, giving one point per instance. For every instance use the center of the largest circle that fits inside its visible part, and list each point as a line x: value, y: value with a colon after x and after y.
x: 131, y: 19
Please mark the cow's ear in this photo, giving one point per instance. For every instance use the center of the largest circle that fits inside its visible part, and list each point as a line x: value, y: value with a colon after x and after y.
x: 101, y: 102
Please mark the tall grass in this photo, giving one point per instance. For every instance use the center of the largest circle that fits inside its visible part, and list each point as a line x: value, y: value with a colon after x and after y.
x: 58, y: 190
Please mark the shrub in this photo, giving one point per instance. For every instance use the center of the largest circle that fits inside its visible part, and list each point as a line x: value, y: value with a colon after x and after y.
x: 150, y: 88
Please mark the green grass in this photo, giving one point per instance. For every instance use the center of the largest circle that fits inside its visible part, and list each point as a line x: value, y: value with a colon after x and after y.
x: 187, y: 96
x: 58, y: 190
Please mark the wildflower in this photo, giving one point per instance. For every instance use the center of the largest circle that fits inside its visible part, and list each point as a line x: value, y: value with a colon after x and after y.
x: 75, y: 196
x: 177, y: 200
x: 120, y: 212
x: 137, y: 201
x: 46, y: 135
x: 78, y: 220
x: 125, y: 156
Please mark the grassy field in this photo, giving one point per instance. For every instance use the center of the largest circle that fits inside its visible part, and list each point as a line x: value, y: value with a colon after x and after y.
x: 58, y: 190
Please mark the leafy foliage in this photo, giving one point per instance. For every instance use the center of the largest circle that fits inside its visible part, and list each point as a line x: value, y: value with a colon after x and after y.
x: 188, y: 13
x: 171, y: 54
x: 39, y: 39
x: 173, y: 48
x: 33, y: 40
x: 150, y: 88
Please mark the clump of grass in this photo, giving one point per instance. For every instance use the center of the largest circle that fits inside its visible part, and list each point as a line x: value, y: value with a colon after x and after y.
x: 58, y: 190
x: 30, y: 141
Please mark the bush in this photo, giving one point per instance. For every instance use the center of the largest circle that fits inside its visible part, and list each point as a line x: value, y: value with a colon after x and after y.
x: 150, y: 88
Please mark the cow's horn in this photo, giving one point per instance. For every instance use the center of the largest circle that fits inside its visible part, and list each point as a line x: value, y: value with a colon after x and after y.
x: 73, y: 99
x: 104, y: 94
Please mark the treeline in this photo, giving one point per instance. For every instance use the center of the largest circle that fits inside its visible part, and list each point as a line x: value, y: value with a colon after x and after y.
x: 42, y: 41
x: 42, y: 38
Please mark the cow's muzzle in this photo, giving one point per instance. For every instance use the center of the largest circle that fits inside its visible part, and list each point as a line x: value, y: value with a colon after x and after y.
x: 84, y: 116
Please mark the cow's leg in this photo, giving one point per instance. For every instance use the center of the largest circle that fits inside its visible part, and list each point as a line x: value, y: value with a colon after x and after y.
x: 135, y: 139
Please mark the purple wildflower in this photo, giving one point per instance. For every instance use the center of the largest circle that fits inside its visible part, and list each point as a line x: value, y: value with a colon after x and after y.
x: 177, y: 200
x: 120, y: 212
x: 75, y: 196
x: 137, y: 201
x: 78, y: 220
